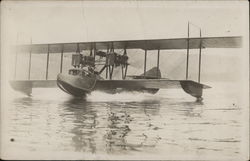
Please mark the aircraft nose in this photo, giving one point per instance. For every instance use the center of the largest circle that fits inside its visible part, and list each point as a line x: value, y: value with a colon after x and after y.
x: 60, y: 77
x: 64, y: 78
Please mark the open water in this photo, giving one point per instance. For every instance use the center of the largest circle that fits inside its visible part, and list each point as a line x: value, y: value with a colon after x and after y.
x: 168, y: 125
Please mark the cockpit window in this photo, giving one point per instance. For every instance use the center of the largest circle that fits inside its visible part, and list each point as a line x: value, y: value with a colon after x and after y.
x: 74, y: 72
x: 80, y: 72
x: 83, y: 73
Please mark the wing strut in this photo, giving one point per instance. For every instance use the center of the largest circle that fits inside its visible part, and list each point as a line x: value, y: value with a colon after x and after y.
x: 126, y: 65
x: 106, y: 62
x: 61, y: 66
x: 47, y: 66
x: 94, y: 52
x: 111, y: 67
x: 124, y: 73
x: 29, y: 63
x: 199, y: 76
x: 187, y: 53
x: 30, y: 59
x: 158, y: 63
x: 145, y: 62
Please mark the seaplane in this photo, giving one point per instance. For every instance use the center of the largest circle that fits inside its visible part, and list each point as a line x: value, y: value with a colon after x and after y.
x: 84, y: 76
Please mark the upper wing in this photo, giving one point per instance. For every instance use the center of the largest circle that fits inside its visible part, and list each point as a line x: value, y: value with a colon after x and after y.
x: 150, y: 44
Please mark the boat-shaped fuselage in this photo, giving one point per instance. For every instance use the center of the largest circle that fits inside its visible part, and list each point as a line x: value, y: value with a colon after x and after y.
x: 79, y: 82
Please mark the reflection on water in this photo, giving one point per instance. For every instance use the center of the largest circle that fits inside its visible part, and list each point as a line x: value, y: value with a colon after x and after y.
x: 117, y: 120
x: 85, y: 123
x: 125, y: 124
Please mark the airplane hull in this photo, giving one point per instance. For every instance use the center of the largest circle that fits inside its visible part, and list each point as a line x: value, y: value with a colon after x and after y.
x: 80, y: 86
x: 76, y: 85
x: 68, y: 88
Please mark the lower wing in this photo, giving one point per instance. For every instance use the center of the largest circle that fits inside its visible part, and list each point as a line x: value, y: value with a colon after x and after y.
x: 148, y: 83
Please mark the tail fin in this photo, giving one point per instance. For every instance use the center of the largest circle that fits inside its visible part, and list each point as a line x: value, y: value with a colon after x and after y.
x: 152, y: 73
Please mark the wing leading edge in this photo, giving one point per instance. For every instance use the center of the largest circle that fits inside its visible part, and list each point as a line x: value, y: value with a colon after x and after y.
x: 150, y: 44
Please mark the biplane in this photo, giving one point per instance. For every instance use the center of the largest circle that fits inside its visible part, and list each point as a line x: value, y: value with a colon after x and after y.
x: 83, y: 77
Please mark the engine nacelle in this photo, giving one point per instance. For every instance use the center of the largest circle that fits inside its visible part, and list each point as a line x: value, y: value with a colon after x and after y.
x: 76, y: 60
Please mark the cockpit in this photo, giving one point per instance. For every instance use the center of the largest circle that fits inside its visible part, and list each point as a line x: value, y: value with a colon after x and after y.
x: 80, y: 72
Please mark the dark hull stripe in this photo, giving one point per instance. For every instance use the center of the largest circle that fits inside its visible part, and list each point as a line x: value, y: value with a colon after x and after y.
x: 71, y: 89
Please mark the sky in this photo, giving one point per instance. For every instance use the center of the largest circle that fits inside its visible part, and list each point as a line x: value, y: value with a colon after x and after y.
x: 78, y: 21
x: 64, y: 21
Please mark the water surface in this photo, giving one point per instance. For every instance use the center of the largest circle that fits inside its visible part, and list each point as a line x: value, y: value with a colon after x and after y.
x: 168, y: 125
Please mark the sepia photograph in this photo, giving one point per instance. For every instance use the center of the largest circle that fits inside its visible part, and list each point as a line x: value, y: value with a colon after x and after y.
x: 124, y: 80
